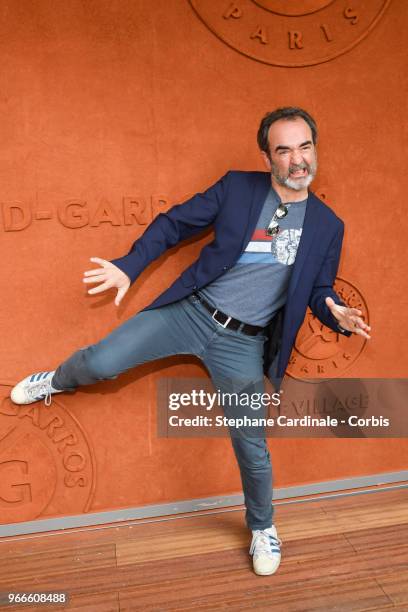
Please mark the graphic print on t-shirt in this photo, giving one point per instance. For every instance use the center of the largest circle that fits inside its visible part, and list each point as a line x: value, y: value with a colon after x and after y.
x: 255, y: 287
x: 280, y: 248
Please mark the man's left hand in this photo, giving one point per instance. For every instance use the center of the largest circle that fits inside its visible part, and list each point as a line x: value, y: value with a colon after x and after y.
x: 349, y: 318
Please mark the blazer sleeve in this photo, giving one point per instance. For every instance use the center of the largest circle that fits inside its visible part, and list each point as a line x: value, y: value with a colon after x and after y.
x: 169, y: 228
x: 323, y: 285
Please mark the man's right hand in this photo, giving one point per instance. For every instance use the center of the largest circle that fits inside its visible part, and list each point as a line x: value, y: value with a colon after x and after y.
x: 110, y: 276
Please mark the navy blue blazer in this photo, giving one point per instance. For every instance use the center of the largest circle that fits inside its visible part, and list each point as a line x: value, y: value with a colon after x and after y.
x: 233, y: 206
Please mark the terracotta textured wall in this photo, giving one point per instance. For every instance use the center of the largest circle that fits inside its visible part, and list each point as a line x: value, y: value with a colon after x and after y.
x: 112, y: 110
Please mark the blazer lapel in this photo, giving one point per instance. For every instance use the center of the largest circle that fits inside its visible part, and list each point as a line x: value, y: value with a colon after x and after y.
x: 259, y: 192
x: 310, y: 226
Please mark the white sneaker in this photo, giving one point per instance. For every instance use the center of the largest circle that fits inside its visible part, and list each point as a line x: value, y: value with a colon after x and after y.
x: 265, y: 548
x: 34, y: 388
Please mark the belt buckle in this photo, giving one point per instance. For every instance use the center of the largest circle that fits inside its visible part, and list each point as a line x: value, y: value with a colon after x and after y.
x: 219, y: 322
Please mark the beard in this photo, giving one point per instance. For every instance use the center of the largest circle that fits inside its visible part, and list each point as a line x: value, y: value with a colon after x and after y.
x: 296, y: 184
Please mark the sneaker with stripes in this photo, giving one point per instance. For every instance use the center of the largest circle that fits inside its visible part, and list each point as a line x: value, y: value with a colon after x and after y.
x: 34, y: 388
x: 265, y: 551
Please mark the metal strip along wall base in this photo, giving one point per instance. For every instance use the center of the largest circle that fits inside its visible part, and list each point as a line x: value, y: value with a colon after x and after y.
x: 226, y: 503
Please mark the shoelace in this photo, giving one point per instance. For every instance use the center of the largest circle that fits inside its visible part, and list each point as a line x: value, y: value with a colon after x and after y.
x: 265, y: 544
x: 40, y: 388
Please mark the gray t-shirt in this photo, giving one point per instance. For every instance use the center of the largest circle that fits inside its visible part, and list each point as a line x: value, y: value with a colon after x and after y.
x: 256, y: 286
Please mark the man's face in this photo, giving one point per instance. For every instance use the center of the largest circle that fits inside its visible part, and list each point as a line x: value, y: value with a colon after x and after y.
x: 293, y: 159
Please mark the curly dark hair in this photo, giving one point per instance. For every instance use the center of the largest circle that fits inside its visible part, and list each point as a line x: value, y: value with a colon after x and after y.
x: 286, y: 112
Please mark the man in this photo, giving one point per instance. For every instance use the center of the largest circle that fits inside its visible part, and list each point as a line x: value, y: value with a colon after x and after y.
x: 239, y: 306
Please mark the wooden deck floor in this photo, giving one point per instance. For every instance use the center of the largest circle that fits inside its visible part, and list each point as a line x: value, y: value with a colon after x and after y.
x: 343, y: 554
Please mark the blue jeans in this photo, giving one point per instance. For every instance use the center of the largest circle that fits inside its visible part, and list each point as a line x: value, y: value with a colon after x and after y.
x: 233, y: 359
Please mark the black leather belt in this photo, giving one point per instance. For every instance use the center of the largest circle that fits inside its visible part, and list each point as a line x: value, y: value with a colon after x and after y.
x: 226, y: 321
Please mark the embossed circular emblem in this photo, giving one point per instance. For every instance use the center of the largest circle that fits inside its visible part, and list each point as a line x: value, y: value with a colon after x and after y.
x: 47, y: 465
x: 320, y: 352
x: 291, y: 32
